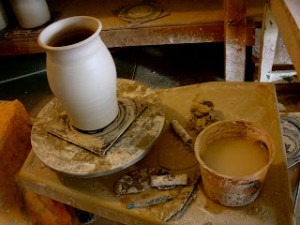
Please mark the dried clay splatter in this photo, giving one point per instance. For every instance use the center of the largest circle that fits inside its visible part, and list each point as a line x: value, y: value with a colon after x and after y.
x: 134, y: 182
x: 203, y: 114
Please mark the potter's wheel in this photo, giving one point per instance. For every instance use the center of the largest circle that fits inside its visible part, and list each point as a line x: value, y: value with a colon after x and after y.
x: 132, y: 146
x: 290, y: 136
x: 57, y: 123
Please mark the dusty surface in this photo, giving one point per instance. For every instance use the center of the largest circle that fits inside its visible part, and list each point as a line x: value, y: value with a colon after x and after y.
x: 236, y: 101
x: 56, y: 122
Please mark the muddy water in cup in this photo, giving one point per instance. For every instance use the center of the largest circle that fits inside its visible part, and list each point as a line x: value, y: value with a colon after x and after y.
x: 235, y: 156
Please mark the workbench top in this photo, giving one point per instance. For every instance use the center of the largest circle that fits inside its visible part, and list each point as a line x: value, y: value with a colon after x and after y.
x: 249, y: 101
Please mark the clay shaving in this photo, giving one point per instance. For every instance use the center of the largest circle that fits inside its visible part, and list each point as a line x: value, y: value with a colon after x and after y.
x: 203, y: 114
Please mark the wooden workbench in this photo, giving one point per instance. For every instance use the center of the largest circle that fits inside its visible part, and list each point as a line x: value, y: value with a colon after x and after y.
x: 187, y: 22
x: 232, y: 22
x: 274, y: 205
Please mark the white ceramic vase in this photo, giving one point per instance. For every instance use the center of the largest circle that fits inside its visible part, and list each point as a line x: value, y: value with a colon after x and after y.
x: 31, y: 13
x: 3, y: 17
x: 81, y: 71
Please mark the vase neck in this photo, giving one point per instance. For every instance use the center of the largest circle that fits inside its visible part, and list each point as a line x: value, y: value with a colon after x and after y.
x: 74, y: 34
x: 67, y: 53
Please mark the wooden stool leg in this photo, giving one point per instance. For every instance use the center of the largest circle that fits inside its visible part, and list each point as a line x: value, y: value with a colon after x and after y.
x: 287, y: 16
x: 268, y: 41
x: 235, y: 34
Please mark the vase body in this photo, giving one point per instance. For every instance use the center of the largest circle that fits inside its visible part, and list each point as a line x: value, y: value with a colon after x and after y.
x: 31, y: 13
x: 3, y: 17
x: 81, y: 71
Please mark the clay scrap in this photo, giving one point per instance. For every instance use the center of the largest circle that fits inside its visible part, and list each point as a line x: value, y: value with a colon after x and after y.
x: 203, y: 114
x: 134, y: 182
x: 141, y: 180
x: 173, y: 205
x: 168, y: 181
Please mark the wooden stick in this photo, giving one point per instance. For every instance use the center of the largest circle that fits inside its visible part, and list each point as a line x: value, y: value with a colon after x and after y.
x: 181, y: 132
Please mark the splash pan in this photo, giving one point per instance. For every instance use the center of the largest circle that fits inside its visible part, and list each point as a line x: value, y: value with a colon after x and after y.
x: 131, y: 147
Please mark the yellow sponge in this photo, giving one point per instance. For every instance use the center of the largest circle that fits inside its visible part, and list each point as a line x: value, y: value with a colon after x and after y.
x: 18, y: 205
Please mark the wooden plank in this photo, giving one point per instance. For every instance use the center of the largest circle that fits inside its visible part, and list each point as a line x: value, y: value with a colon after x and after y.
x: 235, y: 26
x: 164, y: 35
x: 25, y: 42
x: 170, y: 35
x: 267, y: 45
x: 182, y: 12
x: 287, y: 16
x: 189, y: 22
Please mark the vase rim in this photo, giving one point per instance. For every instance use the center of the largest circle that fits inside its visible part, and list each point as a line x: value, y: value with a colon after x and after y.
x: 54, y: 28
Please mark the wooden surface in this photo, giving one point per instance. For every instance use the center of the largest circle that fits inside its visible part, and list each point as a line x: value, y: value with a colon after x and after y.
x: 274, y: 205
x: 188, y: 22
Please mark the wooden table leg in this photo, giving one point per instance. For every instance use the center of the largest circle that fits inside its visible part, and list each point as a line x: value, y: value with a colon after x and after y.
x: 268, y: 43
x: 235, y: 28
x: 287, y: 16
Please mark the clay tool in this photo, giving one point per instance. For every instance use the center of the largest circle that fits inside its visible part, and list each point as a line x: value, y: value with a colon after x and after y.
x: 168, y: 180
x: 181, y: 132
x: 149, y: 203
x: 187, y: 200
